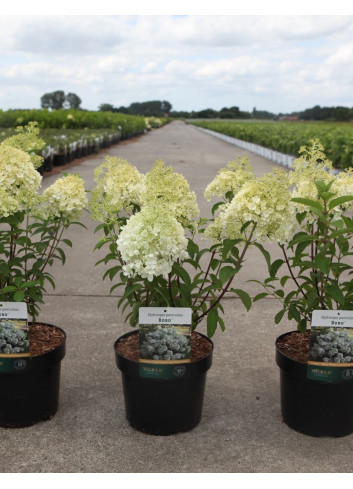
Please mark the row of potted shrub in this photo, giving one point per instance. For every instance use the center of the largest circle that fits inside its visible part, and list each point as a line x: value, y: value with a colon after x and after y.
x: 64, y: 145
x: 150, y: 226
x: 288, y: 137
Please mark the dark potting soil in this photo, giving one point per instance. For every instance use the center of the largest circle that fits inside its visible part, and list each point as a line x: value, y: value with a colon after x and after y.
x: 129, y: 347
x: 43, y: 339
x: 295, y: 345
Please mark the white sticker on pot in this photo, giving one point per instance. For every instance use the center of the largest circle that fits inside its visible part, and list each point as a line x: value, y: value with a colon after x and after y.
x: 164, y: 341
x: 331, y: 346
x: 14, y: 337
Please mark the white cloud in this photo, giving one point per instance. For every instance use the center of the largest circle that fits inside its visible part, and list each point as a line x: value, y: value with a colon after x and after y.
x: 278, y: 63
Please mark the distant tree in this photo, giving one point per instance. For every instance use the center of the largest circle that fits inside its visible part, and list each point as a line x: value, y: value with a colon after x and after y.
x: 53, y: 100
x: 206, y: 114
x: 166, y: 107
x: 231, y: 113
x: 154, y: 108
x: 73, y: 101
x: 342, y: 114
x: 262, y: 114
x: 318, y: 113
x: 106, y: 108
x: 122, y: 110
x: 180, y: 113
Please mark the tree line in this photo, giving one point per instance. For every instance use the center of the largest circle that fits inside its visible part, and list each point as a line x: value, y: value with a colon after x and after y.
x: 163, y: 108
x: 318, y: 113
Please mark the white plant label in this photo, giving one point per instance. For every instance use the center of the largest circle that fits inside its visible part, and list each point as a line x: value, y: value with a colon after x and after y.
x: 331, y: 346
x: 164, y: 341
x: 14, y: 337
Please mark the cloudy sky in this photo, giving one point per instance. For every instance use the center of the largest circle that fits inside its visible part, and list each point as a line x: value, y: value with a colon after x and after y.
x: 279, y: 63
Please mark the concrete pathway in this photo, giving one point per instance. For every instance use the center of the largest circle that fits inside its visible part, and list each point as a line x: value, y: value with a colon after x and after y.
x: 241, y: 430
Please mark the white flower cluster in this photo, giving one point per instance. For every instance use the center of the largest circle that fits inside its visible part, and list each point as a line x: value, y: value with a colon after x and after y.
x: 230, y: 179
x: 264, y: 201
x: 159, y: 206
x: 150, y: 242
x: 343, y: 185
x: 19, y: 181
x: 119, y: 186
x: 313, y: 166
x: 65, y: 198
x: 171, y: 189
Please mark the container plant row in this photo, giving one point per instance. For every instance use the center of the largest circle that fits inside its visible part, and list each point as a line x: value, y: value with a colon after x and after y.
x: 289, y: 137
x: 162, y: 254
x: 65, y: 145
x: 71, y: 134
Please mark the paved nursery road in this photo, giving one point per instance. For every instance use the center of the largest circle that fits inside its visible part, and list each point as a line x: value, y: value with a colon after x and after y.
x: 241, y: 429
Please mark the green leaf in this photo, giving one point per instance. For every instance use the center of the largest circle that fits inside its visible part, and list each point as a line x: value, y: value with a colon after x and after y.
x: 315, y: 209
x: 214, y: 263
x: 335, y: 293
x: 215, y: 207
x: 265, y: 253
x: 339, y: 201
x: 276, y: 265
x: 300, y: 237
x: 322, y: 186
x: 182, y: 273
x: 279, y: 316
x: 192, y: 248
x: 302, y: 325
x: 260, y: 296
x: 284, y: 280
x: 221, y: 323
x: 228, y: 244
x: 322, y: 263
x: 18, y: 281
x: 186, y: 295
x: 226, y: 273
x: 67, y: 242
x: 311, y: 203
x: 62, y: 256
x: 164, y: 294
x: 8, y: 288
x: 340, y: 232
x: 18, y: 296
x: 294, y: 313
x: 212, y: 320
x: 4, y: 269
x: 244, y: 296
x: 130, y: 289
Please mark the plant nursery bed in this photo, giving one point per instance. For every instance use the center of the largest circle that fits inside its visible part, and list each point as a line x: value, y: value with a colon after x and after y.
x: 44, y: 339
x: 129, y: 347
x: 295, y: 346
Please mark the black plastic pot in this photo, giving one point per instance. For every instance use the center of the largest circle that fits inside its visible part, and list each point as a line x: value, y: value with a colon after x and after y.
x: 27, y: 398
x: 163, y: 406
x: 313, y: 407
x: 60, y: 159
x: 48, y: 163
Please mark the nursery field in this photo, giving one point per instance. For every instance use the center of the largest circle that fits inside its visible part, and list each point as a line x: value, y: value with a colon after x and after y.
x: 72, y: 134
x: 287, y: 137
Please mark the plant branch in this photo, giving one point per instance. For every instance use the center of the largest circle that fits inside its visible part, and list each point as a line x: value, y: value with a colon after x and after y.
x: 225, y: 289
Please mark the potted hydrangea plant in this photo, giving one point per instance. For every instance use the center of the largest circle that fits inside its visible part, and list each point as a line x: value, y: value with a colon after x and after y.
x: 32, y: 230
x: 313, y: 274
x: 162, y: 254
